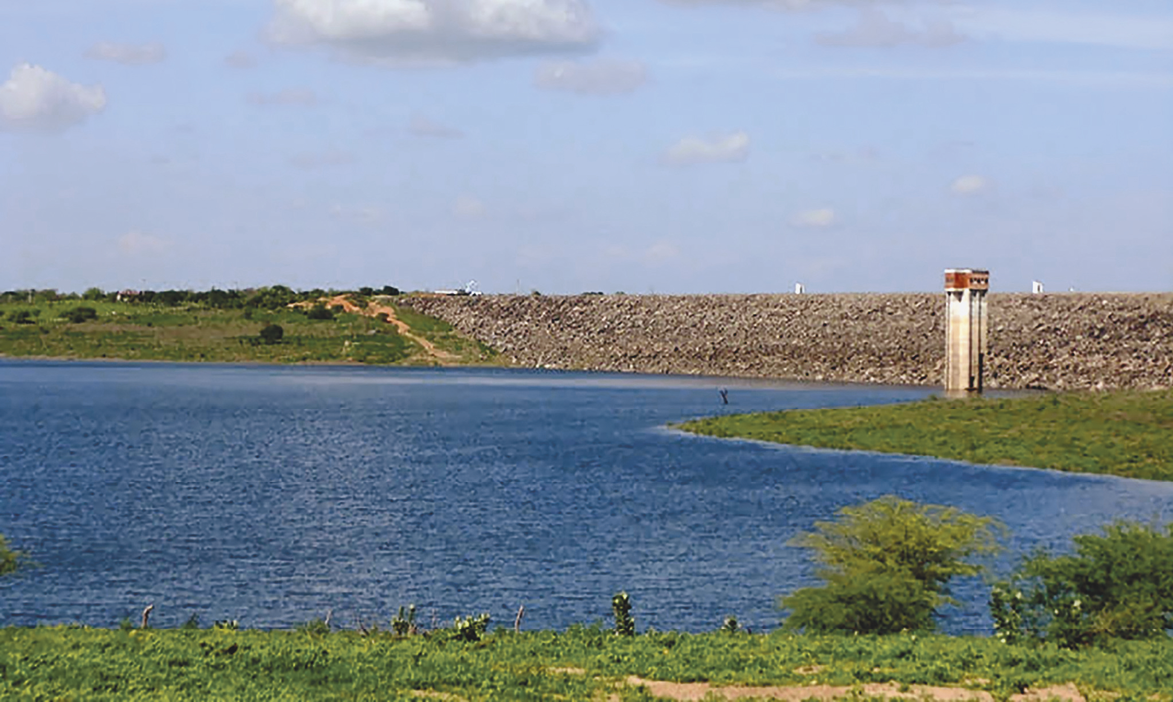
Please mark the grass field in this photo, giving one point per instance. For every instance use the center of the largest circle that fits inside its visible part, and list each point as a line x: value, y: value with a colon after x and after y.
x: 140, y: 331
x: 1125, y: 433
x: 583, y: 663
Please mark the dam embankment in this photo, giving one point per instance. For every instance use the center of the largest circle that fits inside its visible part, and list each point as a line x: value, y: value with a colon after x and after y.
x: 1056, y: 341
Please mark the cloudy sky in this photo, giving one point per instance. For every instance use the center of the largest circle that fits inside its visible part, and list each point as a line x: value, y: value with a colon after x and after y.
x: 573, y: 145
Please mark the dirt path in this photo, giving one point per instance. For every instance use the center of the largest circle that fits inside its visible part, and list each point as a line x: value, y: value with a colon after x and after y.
x: 799, y: 693
x: 374, y: 309
x: 697, y: 692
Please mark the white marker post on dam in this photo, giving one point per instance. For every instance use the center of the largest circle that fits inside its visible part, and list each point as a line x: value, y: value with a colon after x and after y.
x: 966, y: 330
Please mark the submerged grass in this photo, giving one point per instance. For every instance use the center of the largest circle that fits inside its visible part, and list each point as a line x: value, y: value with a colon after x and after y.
x: 582, y: 663
x: 139, y: 331
x: 1121, y: 433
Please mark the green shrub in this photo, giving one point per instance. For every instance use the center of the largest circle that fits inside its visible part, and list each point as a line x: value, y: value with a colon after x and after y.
x: 314, y: 627
x: 621, y: 608
x: 9, y: 560
x: 319, y: 312
x: 1117, y: 585
x: 81, y: 314
x: 272, y: 333
x: 21, y: 317
x: 404, y: 623
x: 887, y: 565
x: 470, y: 628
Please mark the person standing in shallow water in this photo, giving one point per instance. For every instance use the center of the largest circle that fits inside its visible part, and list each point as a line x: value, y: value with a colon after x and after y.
x: 724, y: 396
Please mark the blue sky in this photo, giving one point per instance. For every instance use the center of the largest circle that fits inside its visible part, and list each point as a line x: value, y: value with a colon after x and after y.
x: 666, y: 146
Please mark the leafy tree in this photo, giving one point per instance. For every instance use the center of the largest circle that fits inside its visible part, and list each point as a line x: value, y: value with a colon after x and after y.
x: 9, y: 559
x: 94, y: 294
x: 1118, y: 584
x: 887, y: 565
x: 272, y: 333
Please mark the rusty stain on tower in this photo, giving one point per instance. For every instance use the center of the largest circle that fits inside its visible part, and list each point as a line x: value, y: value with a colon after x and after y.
x: 966, y: 330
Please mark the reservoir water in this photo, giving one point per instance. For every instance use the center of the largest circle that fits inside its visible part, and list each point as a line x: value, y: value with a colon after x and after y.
x: 271, y: 495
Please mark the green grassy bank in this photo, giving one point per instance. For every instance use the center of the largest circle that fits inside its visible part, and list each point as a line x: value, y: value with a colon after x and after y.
x: 196, y: 332
x: 1126, y: 433
x: 583, y: 663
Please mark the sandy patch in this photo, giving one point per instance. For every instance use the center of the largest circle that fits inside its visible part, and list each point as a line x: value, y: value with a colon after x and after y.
x: 374, y: 309
x: 687, y: 692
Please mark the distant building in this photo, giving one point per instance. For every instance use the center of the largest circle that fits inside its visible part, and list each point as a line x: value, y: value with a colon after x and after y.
x: 1036, y: 287
x: 799, y: 288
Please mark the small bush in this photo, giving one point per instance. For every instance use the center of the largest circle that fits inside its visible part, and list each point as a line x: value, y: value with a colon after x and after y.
x: 404, y: 623
x: 314, y: 627
x: 319, y: 312
x: 621, y: 608
x: 470, y: 628
x: 272, y: 333
x: 21, y: 317
x: 9, y: 560
x: 1117, y: 585
x: 81, y: 314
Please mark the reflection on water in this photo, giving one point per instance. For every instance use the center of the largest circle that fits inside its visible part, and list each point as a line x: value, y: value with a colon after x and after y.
x: 272, y: 494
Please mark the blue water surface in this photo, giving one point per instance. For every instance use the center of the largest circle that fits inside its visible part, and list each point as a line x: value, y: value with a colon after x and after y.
x: 272, y: 495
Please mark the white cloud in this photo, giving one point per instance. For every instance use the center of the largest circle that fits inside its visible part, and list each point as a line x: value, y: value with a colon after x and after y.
x: 656, y: 253
x: 358, y: 215
x: 661, y: 251
x: 128, y: 54
x: 863, y: 154
x: 323, y: 159
x: 35, y: 99
x: 409, y: 32
x: 1121, y: 28
x: 600, y: 77
x: 788, y: 5
x: 815, y: 219
x: 240, y: 59
x: 468, y: 207
x: 970, y: 185
x: 423, y: 127
x: 693, y: 150
x: 136, y: 243
x: 875, y: 29
x: 1109, y: 80
x: 296, y: 97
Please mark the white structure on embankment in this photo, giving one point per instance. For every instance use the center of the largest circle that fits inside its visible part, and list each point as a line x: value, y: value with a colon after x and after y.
x: 966, y: 329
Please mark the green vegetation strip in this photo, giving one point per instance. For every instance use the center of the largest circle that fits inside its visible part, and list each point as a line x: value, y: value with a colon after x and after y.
x: 583, y: 663
x: 188, y: 332
x: 1126, y: 434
